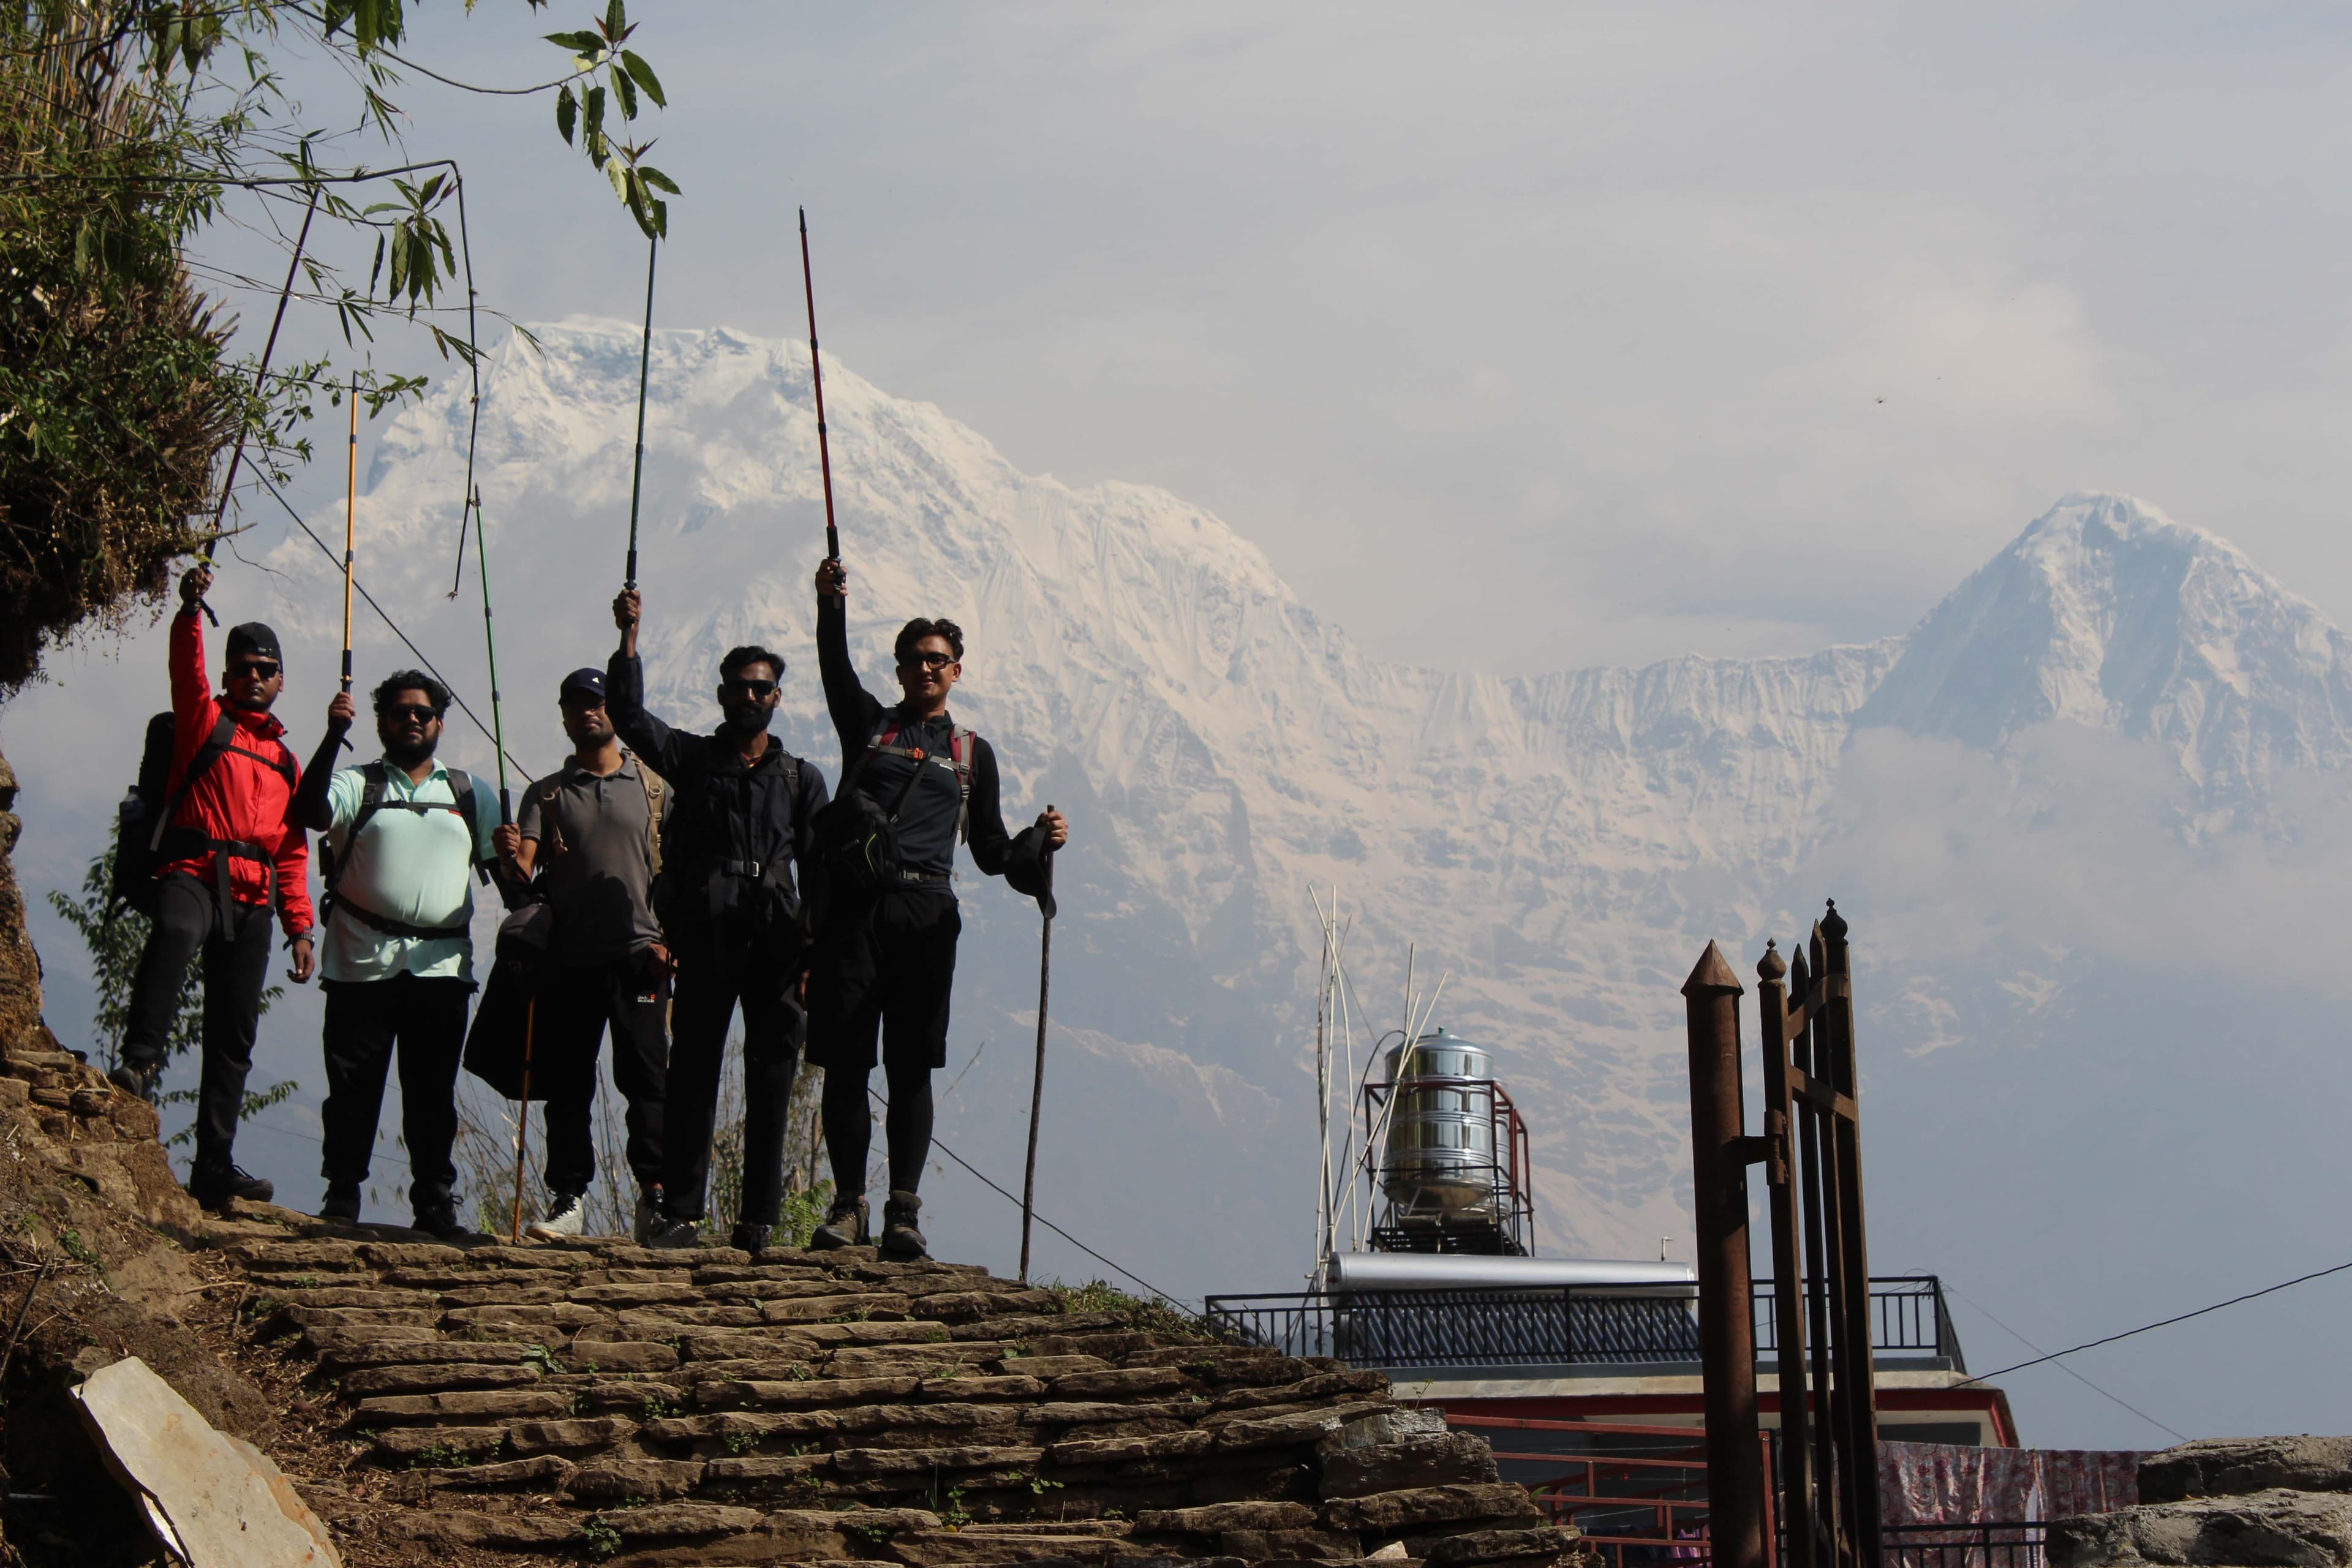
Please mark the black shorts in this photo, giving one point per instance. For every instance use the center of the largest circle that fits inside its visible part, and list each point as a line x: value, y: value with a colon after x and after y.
x: 887, y: 980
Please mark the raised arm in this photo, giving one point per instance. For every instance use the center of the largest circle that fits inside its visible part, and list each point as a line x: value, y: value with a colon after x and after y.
x: 856, y: 711
x: 310, y: 808
x: 625, y: 695
x: 193, y: 708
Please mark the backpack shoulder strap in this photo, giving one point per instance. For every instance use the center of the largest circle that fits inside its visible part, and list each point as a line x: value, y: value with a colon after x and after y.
x: 215, y: 746
x: 461, y: 789
x: 656, y: 790
x: 959, y: 749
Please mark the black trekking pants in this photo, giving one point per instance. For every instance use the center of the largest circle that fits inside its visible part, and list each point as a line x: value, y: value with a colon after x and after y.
x: 574, y: 1006
x: 712, y: 978
x: 887, y: 982
x: 366, y: 1019
x: 236, y: 965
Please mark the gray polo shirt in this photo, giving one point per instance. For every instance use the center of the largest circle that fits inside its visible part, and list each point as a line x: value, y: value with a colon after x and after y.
x: 594, y: 859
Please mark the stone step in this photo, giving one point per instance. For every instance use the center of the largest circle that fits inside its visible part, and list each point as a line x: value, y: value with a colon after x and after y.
x: 2276, y: 1529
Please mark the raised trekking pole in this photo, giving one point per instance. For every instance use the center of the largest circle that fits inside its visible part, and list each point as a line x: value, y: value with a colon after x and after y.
x: 260, y: 377
x: 1037, y: 1082
x: 351, y: 525
x: 644, y: 363
x: 824, y: 456
x: 523, y: 1110
x: 490, y: 639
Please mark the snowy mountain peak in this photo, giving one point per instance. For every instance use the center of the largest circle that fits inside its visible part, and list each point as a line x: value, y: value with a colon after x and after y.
x: 2107, y: 614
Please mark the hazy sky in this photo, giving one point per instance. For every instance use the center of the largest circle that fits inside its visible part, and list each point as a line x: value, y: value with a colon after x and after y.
x: 1519, y: 336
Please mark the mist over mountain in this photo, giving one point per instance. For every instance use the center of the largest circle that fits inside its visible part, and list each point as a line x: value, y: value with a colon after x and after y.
x: 2084, y: 820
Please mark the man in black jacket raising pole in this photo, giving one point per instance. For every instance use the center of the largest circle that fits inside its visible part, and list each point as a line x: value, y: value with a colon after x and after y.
x: 740, y: 817
x: 888, y: 977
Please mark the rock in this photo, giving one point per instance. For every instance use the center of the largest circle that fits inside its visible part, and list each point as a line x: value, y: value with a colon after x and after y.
x: 2235, y: 1467
x: 1290, y: 1545
x: 460, y: 1405
x: 836, y: 1308
x: 609, y: 1480
x: 2268, y: 1530
x: 367, y: 1382
x: 814, y: 1391
x: 1216, y: 1519
x: 408, y: 1444
x: 1548, y: 1545
x: 667, y: 1522
x: 543, y: 1470
x: 1456, y: 1457
x: 980, y: 1386
x: 622, y: 1355
x: 451, y: 1529
x: 1390, y: 1512
x: 594, y: 1432
x: 1393, y: 1424
x: 422, y: 1352
x: 1125, y: 1383
x: 1132, y: 1450
x: 1275, y: 1431
x: 923, y: 1461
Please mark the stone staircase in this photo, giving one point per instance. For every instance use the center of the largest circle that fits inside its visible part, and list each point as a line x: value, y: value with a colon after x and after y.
x: 599, y: 1400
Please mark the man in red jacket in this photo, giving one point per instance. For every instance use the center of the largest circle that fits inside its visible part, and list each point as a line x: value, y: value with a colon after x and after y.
x: 233, y: 853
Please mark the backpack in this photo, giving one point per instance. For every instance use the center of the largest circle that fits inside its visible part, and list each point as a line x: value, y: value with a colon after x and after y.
x: 656, y: 790
x: 332, y: 866
x: 855, y: 854
x: 145, y: 841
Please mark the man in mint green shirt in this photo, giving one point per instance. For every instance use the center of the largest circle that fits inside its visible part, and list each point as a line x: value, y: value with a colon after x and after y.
x: 403, y: 838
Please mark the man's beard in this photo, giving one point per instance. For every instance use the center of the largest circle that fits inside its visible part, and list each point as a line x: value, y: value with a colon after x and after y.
x: 747, y: 720
x: 407, y: 754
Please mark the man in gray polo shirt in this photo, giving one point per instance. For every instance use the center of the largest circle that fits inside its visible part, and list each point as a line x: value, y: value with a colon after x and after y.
x: 591, y: 834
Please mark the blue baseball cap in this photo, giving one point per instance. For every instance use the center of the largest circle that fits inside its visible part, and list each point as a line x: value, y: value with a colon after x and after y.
x: 587, y: 682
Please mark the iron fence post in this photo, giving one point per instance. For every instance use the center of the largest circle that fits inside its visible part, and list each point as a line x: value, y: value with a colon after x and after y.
x: 1734, y: 1471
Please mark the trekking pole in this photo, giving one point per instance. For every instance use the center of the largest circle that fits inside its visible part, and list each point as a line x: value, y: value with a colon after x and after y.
x: 260, y: 377
x: 351, y: 525
x: 816, y: 378
x: 645, y: 363
x: 1037, y: 1082
x: 490, y: 637
x: 522, y: 1111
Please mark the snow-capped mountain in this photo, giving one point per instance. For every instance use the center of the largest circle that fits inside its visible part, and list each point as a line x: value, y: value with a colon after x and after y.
x: 1560, y: 845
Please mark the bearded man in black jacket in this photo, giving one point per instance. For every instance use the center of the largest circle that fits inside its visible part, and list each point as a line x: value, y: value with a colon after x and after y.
x: 739, y: 820
x: 888, y: 978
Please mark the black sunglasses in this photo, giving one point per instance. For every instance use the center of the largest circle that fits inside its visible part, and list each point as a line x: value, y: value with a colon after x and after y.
x: 422, y: 712
x: 927, y: 660
x: 259, y: 669
x: 749, y: 688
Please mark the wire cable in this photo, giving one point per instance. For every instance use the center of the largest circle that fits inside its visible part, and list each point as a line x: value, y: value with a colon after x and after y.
x: 2070, y: 1371
x: 1049, y: 1224
x: 388, y: 620
x: 2161, y: 1323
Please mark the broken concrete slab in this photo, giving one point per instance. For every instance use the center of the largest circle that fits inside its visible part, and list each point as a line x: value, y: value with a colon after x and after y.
x: 2237, y: 1466
x: 2269, y: 1530
x: 214, y: 1500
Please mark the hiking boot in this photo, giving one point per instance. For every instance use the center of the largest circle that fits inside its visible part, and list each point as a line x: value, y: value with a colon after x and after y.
x: 565, y: 1214
x: 844, y: 1226
x: 648, y: 1217
x: 343, y: 1203
x: 137, y: 1082
x: 440, y: 1221
x: 750, y: 1238
x: 677, y: 1236
x: 901, y: 1240
x: 215, y: 1189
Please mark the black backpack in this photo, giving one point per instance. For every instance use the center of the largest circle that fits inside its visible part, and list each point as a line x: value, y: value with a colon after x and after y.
x: 854, y: 853
x: 332, y: 868
x: 144, y: 840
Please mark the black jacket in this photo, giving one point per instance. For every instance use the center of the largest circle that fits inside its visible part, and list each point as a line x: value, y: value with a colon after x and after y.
x: 735, y: 829
x: 927, y: 821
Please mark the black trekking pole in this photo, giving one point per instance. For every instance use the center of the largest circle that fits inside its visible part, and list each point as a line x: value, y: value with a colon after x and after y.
x: 351, y: 527
x: 260, y: 378
x: 817, y: 380
x: 490, y: 637
x: 645, y: 362
x: 1037, y: 1083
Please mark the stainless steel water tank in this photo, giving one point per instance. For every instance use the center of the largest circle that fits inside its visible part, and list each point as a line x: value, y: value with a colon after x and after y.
x: 1439, y: 1155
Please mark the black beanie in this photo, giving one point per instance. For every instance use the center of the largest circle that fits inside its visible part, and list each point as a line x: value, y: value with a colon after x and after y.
x: 253, y: 637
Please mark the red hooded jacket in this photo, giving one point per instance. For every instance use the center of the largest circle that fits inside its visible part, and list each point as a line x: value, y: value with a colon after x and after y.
x: 238, y: 797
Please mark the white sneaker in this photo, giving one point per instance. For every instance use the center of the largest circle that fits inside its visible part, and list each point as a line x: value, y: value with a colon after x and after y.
x: 650, y: 1215
x: 563, y: 1219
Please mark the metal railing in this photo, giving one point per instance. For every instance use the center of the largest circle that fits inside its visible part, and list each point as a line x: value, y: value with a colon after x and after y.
x: 2009, y: 1543
x: 1562, y: 1326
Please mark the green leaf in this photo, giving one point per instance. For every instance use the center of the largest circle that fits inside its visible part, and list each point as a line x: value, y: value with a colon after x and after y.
x: 579, y: 43
x: 642, y: 74
x: 658, y: 180
x: 596, y: 114
x: 616, y: 20
x: 626, y: 91
x: 618, y: 173
x: 567, y: 113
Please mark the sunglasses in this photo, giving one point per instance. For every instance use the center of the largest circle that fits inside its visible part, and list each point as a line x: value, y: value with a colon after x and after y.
x: 927, y: 660
x: 748, y: 688
x: 256, y: 668
x: 417, y: 710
